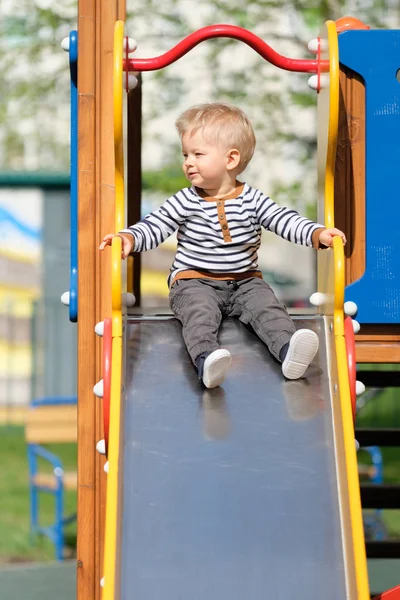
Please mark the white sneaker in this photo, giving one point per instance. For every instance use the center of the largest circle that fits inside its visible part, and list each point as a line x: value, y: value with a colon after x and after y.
x: 303, y: 346
x: 216, y: 367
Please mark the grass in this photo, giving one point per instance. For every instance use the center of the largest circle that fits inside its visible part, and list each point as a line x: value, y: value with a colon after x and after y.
x: 15, y: 541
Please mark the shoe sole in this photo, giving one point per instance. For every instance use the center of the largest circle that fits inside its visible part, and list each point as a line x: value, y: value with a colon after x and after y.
x: 216, y: 366
x: 303, y: 347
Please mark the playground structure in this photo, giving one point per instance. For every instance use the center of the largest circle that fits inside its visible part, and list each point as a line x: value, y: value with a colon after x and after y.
x: 50, y: 420
x: 348, y: 174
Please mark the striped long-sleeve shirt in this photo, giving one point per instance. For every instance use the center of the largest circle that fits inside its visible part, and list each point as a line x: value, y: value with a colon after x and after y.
x: 220, y: 237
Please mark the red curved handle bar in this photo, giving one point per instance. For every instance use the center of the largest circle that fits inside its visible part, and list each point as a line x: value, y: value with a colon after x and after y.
x: 107, y: 351
x: 229, y: 31
x: 351, y: 361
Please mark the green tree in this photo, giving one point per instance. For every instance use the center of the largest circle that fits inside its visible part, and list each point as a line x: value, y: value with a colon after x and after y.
x: 35, y: 84
x: 279, y: 101
x: 34, y: 106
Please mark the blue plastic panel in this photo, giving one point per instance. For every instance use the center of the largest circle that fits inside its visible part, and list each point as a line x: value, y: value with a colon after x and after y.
x: 375, y: 55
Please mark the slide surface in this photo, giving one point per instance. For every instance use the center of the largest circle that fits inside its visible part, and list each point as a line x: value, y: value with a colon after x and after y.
x: 250, y: 491
x: 230, y: 493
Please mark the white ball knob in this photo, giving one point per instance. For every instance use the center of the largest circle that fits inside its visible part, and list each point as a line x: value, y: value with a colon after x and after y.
x: 356, y: 326
x: 318, y: 299
x: 65, y: 298
x: 128, y: 299
x: 357, y: 445
x: 106, y: 467
x: 360, y: 388
x: 132, y: 44
x: 65, y: 44
x: 102, y: 582
x: 132, y: 82
x: 98, y: 389
x: 350, y: 308
x: 99, y: 329
x: 313, y: 45
x: 101, y: 446
x: 323, y: 82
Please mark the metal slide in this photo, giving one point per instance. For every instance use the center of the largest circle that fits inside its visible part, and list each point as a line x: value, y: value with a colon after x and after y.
x: 232, y: 493
x: 251, y: 491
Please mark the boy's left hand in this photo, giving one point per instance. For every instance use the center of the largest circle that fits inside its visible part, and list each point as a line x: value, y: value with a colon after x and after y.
x: 327, y: 235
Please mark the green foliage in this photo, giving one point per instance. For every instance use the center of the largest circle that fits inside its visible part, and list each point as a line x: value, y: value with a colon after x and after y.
x: 290, y: 194
x: 303, y: 99
x: 312, y: 15
x: 35, y: 72
x: 35, y: 78
x: 167, y: 180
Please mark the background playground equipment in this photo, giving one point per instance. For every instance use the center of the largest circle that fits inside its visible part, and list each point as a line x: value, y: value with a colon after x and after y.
x: 365, y: 180
x: 50, y: 420
x: 373, y: 526
x: 100, y: 278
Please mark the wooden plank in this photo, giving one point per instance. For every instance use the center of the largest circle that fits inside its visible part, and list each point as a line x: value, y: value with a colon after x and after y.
x: 378, y: 344
x: 45, y: 434
x: 70, y: 480
x: 56, y: 414
x: 51, y: 416
x: 107, y: 15
x: 377, y: 352
x: 86, y: 300
x: 96, y: 20
x: 134, y: 175
x: 384, y: 333
x: 350, y: 172
x: 121, y: 10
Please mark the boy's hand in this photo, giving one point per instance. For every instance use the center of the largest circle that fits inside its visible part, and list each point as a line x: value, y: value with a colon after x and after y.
x: 327, y: 235
x: 126, y: 239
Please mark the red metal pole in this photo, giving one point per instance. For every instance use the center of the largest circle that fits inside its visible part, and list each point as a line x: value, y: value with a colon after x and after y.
x: 351, y: 361
x: 229, y: 31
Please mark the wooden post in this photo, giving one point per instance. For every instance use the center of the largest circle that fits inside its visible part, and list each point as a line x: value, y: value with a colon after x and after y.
x: 374, y: 343
x: 96, y: 20
x: 134, y: 169
x: 350, y: 172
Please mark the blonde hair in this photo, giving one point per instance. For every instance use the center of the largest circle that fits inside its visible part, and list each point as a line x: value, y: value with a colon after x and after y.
x: 223, y: 124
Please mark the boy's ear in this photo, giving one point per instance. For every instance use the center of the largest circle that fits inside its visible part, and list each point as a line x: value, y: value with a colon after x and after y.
x: 232, y: 159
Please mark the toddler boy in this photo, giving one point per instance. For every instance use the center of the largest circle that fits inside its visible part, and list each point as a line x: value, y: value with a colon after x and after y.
x: 218, y: 220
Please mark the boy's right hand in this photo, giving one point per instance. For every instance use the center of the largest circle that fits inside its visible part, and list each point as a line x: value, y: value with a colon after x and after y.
x: 126, y: 239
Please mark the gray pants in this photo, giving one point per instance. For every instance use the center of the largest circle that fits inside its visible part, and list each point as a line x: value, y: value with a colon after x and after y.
x: 200, y: 305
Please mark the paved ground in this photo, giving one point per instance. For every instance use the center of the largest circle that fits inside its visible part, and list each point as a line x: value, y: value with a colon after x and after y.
x: 39, y: 582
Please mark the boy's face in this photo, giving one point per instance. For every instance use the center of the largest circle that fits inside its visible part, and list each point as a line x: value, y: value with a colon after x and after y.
x: 205, y: 165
